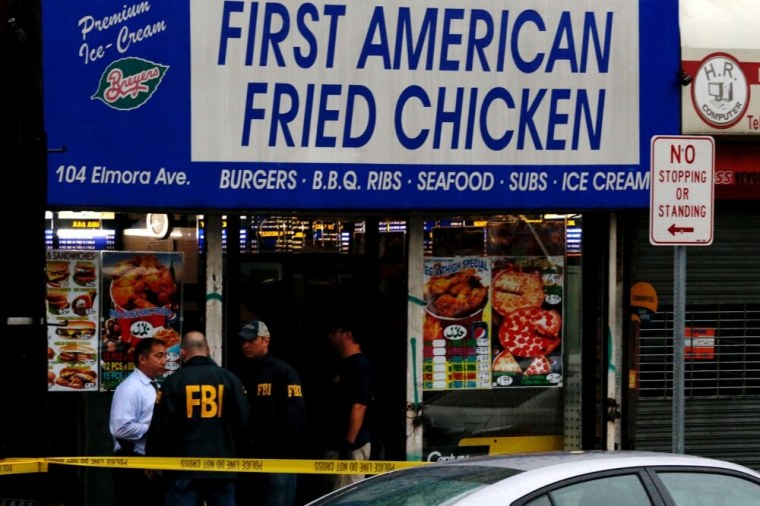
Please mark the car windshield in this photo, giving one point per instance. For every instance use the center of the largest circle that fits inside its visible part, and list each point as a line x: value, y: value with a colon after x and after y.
x: 423, y: 486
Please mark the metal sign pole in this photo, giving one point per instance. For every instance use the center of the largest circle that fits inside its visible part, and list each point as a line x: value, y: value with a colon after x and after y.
x: 682, y: 179
x: 679, y: 308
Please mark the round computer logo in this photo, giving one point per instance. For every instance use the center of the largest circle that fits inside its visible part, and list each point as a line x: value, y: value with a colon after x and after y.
x: 720, y: 91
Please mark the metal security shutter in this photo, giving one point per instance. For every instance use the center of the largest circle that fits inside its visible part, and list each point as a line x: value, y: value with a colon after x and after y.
x: 722, y: 293
x: 719, y: 428
x: 728, y: 271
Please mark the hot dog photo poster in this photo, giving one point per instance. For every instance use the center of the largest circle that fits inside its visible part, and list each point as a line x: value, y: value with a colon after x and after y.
x: 72, y: 315
x: 526, y: 323
x: 456, y: 352
x: 142, y: 294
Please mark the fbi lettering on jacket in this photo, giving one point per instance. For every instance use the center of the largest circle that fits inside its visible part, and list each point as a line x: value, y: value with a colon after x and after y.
x: 207, y: 399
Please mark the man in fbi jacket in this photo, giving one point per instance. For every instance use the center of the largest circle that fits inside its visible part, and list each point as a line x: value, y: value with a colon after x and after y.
x: 200, y: 412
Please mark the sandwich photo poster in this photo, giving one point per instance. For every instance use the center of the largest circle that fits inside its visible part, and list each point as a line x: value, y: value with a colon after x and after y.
x: 142, y: 294
x: 72, y: 316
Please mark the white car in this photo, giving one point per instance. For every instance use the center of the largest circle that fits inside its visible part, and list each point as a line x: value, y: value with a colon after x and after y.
x: 591, y: 478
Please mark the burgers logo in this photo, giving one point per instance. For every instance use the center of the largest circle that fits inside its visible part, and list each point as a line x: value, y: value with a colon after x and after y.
x: 720, y: 91
x: 129, y: 82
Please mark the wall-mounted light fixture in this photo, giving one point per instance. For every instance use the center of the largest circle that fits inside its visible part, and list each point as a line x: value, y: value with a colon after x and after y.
x: 684, y: 78
x: 157, y: 225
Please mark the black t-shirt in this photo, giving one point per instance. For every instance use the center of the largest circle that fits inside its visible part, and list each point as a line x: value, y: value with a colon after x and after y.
x: 353, y: 385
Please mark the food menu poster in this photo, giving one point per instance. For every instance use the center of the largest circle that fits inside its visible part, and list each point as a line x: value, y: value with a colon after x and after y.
x: 456, y: 351
x: 526, y: 325
x: 71, y: 316
x: 142, y: 298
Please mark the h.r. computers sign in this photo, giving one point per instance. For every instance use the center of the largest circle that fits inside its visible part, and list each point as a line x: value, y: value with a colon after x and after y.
x: 438, y: 105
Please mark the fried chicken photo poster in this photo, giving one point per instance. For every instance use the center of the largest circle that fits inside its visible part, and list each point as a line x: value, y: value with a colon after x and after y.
x: 526, y: 326
x: 456, y: 352
x: 72, y: 315
x: 142, y: 298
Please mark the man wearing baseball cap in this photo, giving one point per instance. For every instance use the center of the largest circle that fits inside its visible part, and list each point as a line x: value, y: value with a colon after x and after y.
x: 278, y: 417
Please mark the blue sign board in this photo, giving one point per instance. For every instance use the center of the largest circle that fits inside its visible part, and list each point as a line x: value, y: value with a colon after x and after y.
x: 337, y: 105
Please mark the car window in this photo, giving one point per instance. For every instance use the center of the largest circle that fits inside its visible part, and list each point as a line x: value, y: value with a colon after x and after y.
x: 709, y: 489
x: 540, y: 501
x: 423, y: 486
x: 621, y: 490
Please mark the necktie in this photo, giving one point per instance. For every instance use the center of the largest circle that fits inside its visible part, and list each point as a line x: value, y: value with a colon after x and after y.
x: 155, y: 384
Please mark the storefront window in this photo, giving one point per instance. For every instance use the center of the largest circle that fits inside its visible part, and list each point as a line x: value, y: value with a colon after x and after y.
x: 83, y: 230
x: 496, y: 336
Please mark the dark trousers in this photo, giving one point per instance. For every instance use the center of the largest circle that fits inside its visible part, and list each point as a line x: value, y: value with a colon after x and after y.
x: 193, y: 491
x: 267, y: 489
x: 132, y: 487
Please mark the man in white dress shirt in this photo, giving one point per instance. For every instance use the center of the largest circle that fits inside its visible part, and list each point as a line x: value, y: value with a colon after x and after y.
x: 131, y: 412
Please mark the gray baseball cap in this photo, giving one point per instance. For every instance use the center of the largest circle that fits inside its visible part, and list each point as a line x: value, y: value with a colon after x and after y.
x: 254, y: 329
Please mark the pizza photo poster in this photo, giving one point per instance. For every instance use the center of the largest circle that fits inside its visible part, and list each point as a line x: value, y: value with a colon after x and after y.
x: 456, y: 351
x: 71, y: 317
x: 142, y: 298
x: 526, y: 323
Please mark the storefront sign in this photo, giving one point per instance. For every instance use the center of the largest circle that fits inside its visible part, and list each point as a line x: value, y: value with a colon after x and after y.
x: 721, y: 67
x: 291, y: 105
x: 737, y: 171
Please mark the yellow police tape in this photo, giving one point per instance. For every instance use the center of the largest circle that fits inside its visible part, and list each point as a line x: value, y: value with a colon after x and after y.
x: 22, y: 466
x: 11, y: 466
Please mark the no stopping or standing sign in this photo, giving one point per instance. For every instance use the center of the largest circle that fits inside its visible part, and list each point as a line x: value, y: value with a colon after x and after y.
x: 681, y: 191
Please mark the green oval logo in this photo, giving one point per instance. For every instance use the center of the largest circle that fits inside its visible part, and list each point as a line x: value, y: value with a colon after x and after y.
x: 128, y: 83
